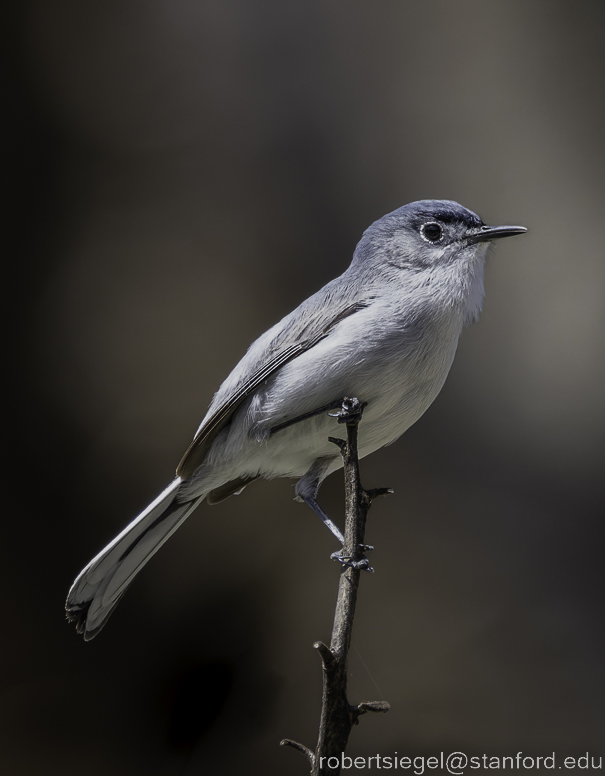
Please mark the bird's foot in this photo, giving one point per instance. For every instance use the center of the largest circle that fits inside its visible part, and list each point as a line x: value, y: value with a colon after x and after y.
x: 350, y: 411
x: 360, y: 564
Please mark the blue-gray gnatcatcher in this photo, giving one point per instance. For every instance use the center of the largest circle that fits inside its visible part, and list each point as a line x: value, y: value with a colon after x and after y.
x: 385, y: 332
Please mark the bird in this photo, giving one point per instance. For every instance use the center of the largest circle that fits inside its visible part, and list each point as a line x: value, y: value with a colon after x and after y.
x: 385, y: 332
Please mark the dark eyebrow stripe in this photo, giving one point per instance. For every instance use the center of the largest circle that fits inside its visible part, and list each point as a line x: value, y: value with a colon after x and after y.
x: 445, y: 215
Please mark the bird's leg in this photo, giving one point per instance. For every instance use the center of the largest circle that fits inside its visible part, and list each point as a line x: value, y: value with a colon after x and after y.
x: 349, y: 411
x: 331, y: 406
x: 326, y: 520
x: 329, y: 523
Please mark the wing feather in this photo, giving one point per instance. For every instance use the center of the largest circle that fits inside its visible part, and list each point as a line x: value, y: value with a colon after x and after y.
x: 197, y: 450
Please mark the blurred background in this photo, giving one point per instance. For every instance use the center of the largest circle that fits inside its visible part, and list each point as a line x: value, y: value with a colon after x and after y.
x: 182, y: 174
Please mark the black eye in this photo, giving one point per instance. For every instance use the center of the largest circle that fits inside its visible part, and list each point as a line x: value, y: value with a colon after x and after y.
x: 431, y: 231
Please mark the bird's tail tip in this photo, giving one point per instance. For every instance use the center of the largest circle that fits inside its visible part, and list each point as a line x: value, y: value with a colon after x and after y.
x: 101, y: 584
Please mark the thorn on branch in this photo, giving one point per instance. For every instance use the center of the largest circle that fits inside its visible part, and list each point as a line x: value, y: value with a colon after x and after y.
x: 339, y: 443
x: 374, y: 492
x: 299, y: 748
x: 326, y: 654
x: 368, y: 706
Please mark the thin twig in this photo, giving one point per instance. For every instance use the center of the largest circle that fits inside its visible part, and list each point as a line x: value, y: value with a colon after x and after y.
x: 337, y: 715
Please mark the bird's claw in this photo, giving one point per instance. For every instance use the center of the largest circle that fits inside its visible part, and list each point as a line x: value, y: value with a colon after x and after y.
x: 363, y: 564
x: 350, y: 411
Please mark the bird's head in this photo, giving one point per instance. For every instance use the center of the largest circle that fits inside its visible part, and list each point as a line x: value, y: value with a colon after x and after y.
x: 436, y: 244
x: 433, y: 232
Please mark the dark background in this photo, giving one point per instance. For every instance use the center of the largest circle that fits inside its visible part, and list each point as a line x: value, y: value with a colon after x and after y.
x: 180, y: 175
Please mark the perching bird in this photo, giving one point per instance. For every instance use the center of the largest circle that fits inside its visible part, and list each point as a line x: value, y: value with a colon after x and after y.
x: 385, y: 332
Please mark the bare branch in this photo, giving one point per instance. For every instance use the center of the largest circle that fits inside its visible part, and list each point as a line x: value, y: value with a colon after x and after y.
x: 337, y: 715
x: 299, y: 748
